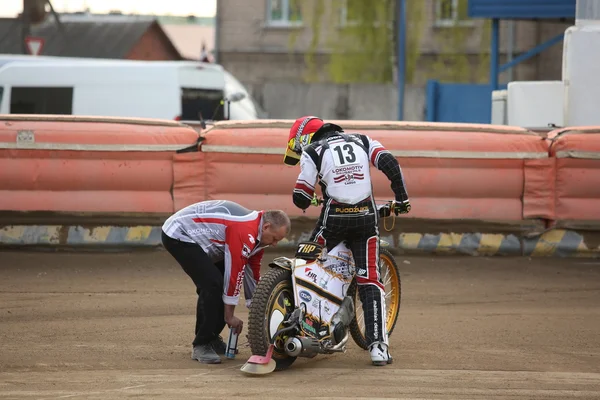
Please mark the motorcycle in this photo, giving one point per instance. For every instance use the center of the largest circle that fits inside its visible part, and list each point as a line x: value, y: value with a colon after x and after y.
x: 309, y: 305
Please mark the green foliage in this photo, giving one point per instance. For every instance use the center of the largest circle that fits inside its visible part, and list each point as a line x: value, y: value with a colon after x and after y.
x: 318, y: 10
x: 360, y: 36
x: 415, y: 15
x: 483, y: 66
x: 452, y: 63
x: 362, y: 46
x: 362, y: 49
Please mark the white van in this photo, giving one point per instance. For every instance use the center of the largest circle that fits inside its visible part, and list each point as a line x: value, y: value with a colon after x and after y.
x: 180, y: 90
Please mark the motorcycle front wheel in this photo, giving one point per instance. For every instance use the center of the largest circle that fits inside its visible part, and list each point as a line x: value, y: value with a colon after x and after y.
x: 390, y: 278
x: 272, y: 302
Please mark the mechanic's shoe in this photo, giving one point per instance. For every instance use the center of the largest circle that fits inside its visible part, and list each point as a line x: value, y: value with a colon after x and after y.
x: 380, y: 354
x: 219, y: 346
x: 205, y: 354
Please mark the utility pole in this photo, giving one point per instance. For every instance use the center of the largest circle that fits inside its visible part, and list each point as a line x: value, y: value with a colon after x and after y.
x: 401, y: 54
x: 217, y: 25
x: 25, y: 26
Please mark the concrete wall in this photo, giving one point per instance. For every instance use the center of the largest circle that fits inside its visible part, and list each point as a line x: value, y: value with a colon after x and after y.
x: 262, y: 57
x: 256, y: 51
x: 331, y: 101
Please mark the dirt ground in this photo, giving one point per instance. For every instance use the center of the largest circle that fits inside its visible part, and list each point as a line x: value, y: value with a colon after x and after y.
x: 119, y: 326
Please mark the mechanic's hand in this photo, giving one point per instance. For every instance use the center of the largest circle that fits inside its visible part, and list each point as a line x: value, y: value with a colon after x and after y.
x: 401, y: 207
x: 236, y: 323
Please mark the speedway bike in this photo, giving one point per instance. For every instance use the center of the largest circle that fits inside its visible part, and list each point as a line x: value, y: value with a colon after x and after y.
x: 309, y: 304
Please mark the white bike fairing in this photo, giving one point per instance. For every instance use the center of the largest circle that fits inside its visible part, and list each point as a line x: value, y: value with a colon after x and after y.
x: 320, y: 287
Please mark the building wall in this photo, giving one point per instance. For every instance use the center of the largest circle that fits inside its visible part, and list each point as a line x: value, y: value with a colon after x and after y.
x: 257, y: 52
x: 264, y: 59
x: 549, y: 62
x: 153, y: 46
x: 358, y: 101
x: 260, y: 53
x: 243, y: 26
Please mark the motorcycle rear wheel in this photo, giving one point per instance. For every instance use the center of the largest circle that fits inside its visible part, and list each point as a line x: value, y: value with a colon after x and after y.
x: 273, y: 299
x: 390, y: 276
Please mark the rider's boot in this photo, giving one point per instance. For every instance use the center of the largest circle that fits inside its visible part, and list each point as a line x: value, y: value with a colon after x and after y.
x: 380, y: 353
x: 342, y: 319
x: 375, y: 324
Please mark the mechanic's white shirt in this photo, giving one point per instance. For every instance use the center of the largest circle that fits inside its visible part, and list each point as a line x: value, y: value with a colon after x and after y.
x: 226, y: 231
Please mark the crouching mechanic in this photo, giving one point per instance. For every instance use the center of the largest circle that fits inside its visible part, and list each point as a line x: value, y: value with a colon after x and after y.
x: 341, y: 163
x: 219, y: 244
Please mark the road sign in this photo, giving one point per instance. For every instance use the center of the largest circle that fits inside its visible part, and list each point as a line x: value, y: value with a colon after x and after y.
x: 34, y: 45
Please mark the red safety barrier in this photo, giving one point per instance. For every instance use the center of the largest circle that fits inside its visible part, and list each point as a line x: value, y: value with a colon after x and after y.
x: 97, y: 165
x: 188, y: 179
x: 577, y: 177
x: 135, y: 166
x: 452, y: 171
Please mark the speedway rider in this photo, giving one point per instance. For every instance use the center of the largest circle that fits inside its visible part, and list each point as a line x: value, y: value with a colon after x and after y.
x: 341, y: 162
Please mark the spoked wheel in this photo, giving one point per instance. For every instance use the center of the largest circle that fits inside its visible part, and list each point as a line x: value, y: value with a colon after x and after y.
x: 272, y: 302
x: 390, y: 277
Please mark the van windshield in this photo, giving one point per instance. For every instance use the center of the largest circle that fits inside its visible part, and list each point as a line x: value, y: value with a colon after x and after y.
x: 201, y: 101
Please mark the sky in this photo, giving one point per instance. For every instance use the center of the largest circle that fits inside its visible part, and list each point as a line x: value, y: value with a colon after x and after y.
x: 199, y: 8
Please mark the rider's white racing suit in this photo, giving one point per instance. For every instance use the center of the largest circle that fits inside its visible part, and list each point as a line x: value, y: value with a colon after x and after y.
x: 341, y: 163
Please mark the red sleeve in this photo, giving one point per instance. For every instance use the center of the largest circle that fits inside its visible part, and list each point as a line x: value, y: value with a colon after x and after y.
x: 237, y: 250
x: 254, y: 262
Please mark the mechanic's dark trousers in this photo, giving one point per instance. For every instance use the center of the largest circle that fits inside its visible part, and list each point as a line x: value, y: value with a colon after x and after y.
x: 208, y: 278
x: 357, y: 224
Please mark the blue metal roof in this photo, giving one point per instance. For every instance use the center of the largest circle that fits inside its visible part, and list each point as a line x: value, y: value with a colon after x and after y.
x: 522, y: 9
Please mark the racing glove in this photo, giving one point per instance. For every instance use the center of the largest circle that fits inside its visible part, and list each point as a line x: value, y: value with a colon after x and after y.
x: 401, y: 207
x: 315, y: 201
x: 384, y: 211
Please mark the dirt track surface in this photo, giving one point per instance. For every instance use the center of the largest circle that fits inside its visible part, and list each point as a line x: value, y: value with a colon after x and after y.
x: 119, y: 326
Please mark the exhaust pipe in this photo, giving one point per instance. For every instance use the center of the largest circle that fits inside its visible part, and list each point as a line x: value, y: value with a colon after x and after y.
x: 341, y: 345
x: 302, y: 347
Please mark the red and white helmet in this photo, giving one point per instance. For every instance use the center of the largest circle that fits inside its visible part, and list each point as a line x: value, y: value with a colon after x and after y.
x: 301, y: 135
